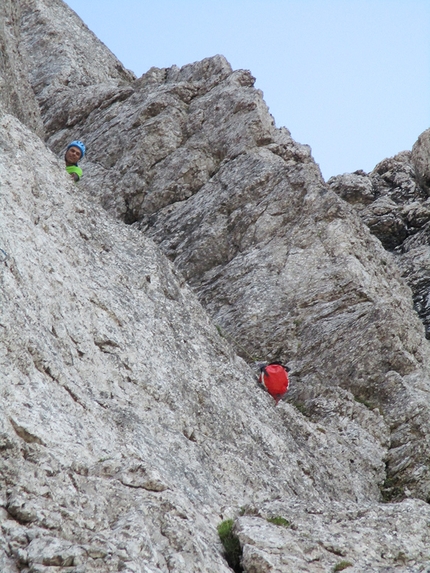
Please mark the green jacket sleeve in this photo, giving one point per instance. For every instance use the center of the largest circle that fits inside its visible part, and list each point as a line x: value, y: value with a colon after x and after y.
x: 74, y: 170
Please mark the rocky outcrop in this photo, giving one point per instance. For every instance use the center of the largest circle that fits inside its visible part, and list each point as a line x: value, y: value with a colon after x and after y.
x: 272, y: 542
x: 130, y: 428
x: 420, y: 160
x: 16, y: 94
x: 109, y: 371
x: 285, y: 268
x: 396, y: 208
x: 389, y: 199
x: 69, y: 68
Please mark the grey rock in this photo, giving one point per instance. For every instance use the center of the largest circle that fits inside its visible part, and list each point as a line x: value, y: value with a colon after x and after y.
x: 395, y: 178
x: 399, y: 215
x: 118, y: 433
x: 129, y: 426
x: 355, y: 188
x: 16, y: 95
x: 52, y: 552
x: 82, y: 373
x: 389, y: 200
x: 420, y: 159
x: 385, y: 221
x: 209, y: 125
x: 81, y: 378
x: 335, y: 538
x: 63, y: 52
x: 415, y: 265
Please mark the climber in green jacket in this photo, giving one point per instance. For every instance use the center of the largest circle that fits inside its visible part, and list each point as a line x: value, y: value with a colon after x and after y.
x: 74, y: 152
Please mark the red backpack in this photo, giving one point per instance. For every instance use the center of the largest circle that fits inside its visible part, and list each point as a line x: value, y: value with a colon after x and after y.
x: 274, y: 377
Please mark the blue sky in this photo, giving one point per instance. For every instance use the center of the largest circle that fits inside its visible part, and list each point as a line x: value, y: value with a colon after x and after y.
x: 351, y: 78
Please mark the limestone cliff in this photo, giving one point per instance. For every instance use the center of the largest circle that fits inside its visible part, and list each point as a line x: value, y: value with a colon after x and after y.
x: 15, y: 88
x: 131, y: 421
x: 394, y: 203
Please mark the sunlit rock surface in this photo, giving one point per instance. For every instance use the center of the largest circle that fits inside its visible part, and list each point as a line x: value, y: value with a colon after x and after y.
x: 130, y: 427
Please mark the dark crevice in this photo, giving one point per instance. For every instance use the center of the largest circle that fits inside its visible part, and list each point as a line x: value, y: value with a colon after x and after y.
x: 231, y: 544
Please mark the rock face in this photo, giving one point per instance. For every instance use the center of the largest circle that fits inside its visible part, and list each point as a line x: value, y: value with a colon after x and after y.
x: 65, y: 62
x: 342, y: 538
x: 420, y: 159
x: 130, y: 427
x: 17, y: 96
x: 394, y: 203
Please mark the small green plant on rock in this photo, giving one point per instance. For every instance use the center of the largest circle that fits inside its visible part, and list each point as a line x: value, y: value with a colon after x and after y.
x: 301, y: 408
x: 279, y: 521
x: 392, y: 490
x: 341, y: 566
x: 248, y: 510
x: 231, y: 544
x: 363, y: 401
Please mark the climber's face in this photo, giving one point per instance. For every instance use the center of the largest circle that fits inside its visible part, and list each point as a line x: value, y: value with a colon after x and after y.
x: 73, y: 155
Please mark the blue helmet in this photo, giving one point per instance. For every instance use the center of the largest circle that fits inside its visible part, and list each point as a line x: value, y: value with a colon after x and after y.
x: 79, y: 145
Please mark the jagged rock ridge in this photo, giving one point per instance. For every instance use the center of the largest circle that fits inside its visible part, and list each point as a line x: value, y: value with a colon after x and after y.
x: 129, y: 428
x: 394, y: 203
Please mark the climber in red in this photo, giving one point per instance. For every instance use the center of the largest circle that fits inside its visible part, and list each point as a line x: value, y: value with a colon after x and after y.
x: 274, y: 377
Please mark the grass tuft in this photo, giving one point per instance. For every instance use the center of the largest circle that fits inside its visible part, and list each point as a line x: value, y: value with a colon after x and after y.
x: 363, y: 401
x: 231, y: 544
x: 279, y: 521
x: 392, y: 490
x: 341, y: 566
